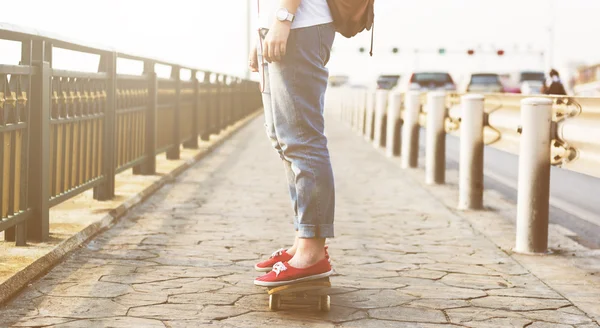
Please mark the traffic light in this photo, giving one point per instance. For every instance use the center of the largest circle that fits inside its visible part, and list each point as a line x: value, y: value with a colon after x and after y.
x: 471, y: 52
x: 500, y: 52
x: 442, y: 51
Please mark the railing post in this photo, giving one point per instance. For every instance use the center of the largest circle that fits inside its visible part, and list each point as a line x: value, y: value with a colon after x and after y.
x: 106, y: 190
x: 216, y: 113
x: 533, y: 197
x: 435, y: 151
x: 206, y: 105
x: 150, y: 136
x: 192, y: 143
x: 470, y: 184
x: 410, y: 130
x: 393, y: 121
x: 381, y: 98
x: 38, y: 226
x: 175, y: 151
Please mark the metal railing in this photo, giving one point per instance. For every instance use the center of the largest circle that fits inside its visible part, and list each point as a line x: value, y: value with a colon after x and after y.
x: 64, y: 132
x: 544, y: 131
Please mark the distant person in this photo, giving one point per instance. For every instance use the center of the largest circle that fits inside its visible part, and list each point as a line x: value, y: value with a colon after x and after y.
x: 554, y: 85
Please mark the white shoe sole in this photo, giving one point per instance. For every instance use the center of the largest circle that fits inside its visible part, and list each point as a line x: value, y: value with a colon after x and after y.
x: 263, y: 269
x: 288, y: 282
x: 269, y: 269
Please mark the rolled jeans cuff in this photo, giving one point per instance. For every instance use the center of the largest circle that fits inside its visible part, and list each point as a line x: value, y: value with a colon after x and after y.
x: 315, y: 231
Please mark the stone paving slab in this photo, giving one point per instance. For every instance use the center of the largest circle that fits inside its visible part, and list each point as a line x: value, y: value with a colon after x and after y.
x: 184, y: 258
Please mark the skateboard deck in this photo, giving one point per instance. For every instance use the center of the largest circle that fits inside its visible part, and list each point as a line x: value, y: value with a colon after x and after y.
x: 303, y: 294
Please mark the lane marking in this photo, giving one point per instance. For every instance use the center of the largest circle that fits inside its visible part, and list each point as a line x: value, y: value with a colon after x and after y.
x: 556, y: 202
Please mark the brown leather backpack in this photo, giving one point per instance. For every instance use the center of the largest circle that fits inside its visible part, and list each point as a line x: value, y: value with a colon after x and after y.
x: 351, y: 17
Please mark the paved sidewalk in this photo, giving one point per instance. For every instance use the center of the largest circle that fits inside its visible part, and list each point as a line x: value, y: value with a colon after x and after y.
x: 185, y: 257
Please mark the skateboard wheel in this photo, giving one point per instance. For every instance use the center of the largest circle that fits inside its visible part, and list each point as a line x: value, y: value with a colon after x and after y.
x: 274, y: 302
x: 325, y: 303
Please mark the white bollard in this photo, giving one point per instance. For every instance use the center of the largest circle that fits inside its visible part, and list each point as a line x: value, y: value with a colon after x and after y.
x: 435, y: 134
x: 356, y: 97
x: 369, y: 115
x: 352, y: 100
x: 381, y: 99
x: 360, y: 113
x: 470, y: 185
x: 533, y: 198
x: 410, y: 130
x: 393, y: 115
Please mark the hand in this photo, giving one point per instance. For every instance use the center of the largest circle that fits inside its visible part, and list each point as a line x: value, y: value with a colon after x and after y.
x: 274, y: 45
x: 253, y: 60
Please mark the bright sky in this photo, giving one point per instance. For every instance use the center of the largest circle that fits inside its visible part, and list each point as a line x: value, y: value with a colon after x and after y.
x: 212, y: 34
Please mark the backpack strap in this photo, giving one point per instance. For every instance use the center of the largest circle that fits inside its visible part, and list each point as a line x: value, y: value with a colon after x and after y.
x: 372, y: 34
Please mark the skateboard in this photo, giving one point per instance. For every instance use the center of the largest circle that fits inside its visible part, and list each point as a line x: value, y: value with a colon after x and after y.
x: 307, y: 293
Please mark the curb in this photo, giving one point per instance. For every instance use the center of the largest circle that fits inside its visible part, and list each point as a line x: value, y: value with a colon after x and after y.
x: 13, y: 285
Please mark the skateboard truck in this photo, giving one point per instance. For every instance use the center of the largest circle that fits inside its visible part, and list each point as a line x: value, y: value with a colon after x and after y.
x: 307, y: 293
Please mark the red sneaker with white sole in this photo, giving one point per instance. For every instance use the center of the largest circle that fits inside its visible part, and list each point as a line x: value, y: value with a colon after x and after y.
x: 284, y: 274
x: 280, y: 255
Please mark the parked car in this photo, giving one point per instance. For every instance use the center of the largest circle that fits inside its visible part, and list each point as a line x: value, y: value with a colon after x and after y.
x: 532, y: 87
x: 483, y: 83
x: 338, y: 80
x: 427, y: 81
x: 387, y: 82
x: 508, y: 85
x: 514, y: 81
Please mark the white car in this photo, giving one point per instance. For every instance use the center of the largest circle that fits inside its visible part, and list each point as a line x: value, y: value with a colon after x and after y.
x: 427, y: 81
x: 483, y: 83
x: 531, y: 87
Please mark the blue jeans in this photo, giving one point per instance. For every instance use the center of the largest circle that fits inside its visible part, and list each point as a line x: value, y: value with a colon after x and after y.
x: 293, y: 100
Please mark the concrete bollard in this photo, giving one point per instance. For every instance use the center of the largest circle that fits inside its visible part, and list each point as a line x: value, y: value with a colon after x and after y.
x: 360, y: 113
x: 369, y: 115
x: 410, y: 130
x: 359, y: 107
x: 351, y: 95
x: 533, y: 198
x: 435, y: 134
x: 470, y: 185
x: 381, y: 99
x: 393, y: 116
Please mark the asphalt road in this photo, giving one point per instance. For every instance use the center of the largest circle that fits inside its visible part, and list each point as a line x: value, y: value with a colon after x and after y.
x: 574, y: 197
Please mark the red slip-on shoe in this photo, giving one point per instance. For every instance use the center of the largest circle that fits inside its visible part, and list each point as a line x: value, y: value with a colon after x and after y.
x: 284, y: 274
x: 279, y: 255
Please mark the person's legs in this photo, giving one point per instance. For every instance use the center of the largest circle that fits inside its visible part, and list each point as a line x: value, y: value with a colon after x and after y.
x: 270, y: 130
x: 298, y: 85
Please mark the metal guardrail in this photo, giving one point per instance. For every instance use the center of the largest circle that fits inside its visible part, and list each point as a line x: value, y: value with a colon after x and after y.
x: 542, y: 131
x: 576, y: 133
x: 65, y: 132
x: 576, y: 128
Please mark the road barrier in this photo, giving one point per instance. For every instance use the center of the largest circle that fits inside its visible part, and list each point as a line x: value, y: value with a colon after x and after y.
x: 65, y: 132
x: 560, y: 131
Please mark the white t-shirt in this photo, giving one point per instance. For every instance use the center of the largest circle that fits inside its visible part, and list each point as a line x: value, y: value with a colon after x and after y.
x: 310, y: 13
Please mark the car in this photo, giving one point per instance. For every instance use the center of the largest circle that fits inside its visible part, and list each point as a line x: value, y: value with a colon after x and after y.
x: 507, y: 85
x: 427, y: 81
x: 514, y: 81
x: 525, y: 76
x: 338, y: 80
x: 532, y: 87
x: 483, y: 83
x: 387, y: 82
